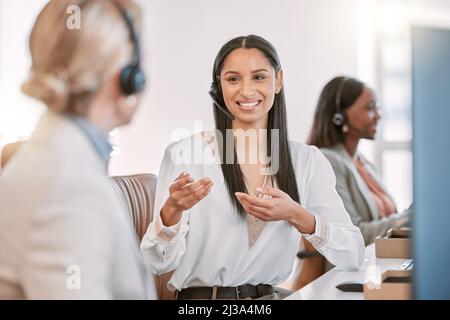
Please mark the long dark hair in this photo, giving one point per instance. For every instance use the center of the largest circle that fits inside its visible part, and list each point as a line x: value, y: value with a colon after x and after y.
x: 285, y: 177
x: 324, y: 133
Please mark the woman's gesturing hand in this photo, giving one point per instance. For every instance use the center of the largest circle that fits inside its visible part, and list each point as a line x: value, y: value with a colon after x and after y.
x: 278, y: 206
x: 184, y: 193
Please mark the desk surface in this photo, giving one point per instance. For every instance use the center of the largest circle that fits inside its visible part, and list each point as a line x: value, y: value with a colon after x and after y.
x: 324, y: 287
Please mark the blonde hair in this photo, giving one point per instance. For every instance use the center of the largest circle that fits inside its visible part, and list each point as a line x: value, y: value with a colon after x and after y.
x: 70, y: 65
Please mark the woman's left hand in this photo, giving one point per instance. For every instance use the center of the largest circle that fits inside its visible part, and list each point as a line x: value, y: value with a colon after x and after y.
x: 279, y: 206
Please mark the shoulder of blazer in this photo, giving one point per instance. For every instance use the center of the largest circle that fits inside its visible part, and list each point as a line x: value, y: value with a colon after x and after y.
x: 340, y: 155
x: 337, y: 160
x: 67, y: 159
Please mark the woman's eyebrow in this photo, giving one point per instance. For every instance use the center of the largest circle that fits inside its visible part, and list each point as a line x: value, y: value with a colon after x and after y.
x: 254, y: 71
x: 233, y: 72
x: 260, y: 70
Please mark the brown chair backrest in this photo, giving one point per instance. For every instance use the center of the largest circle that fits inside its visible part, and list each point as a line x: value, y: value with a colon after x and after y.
x: 311, y: 267
x: 138, y: 195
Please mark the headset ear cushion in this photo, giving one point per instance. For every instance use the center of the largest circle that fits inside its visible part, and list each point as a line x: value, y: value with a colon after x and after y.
x: 217, y: 98
x: 216, y: 95
x: 132, y: 79
x: 338, y: 119
x: 214, y: 92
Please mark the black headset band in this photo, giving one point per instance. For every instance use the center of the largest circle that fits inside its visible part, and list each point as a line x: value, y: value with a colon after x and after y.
x: 339, y: 94
x: 128, y: 18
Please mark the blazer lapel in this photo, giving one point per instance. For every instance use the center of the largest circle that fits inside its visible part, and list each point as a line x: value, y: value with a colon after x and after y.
x: 362, y: 186
x: 376, y: 176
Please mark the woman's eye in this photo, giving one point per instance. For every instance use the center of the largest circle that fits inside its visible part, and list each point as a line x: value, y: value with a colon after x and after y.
x: 372, y: 106
x: 259, y: 77
x: 232, y: 79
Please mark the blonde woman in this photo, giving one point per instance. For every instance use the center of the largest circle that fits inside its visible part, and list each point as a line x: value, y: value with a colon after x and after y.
x: 63, y: 233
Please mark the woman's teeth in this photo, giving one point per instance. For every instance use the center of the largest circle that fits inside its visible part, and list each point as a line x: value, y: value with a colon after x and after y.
x: 248, y: 104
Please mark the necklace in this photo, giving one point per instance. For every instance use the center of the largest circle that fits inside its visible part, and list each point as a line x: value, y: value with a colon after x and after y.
x: 255, y: 226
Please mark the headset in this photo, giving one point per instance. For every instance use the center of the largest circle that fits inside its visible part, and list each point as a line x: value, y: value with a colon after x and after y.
x: 338, y: 116
x: 216, y: 95
x: 132, y: 77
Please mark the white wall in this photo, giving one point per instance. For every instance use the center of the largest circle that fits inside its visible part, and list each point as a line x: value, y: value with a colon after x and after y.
x: 18, y: 113
x: 315, y: 40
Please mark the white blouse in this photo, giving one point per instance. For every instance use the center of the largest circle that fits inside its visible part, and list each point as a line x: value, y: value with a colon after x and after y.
x: 209, y: 246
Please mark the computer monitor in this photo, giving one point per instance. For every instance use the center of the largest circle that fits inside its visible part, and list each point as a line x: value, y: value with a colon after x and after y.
x: 431, y: 162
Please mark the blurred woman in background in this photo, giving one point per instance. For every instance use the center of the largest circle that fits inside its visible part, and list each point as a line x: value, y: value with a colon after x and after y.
x: 347, y: 112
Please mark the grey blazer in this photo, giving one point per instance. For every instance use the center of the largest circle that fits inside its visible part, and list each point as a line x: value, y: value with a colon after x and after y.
x: 357, y: 197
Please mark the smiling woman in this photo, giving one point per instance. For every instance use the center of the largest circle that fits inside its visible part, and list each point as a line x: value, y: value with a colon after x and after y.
x: 238, y: 246
x: 248, y: 82
x: 256, y: 75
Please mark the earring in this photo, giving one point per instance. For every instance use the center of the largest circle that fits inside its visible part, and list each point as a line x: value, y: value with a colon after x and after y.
x: 131, y: 101
x: 128, y: 102
x: 345, y: 128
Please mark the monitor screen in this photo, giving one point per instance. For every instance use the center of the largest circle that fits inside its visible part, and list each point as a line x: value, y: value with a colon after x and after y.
x: 431, y: 162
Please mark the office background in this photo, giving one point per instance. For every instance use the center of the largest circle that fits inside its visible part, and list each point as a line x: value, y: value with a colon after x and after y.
x: 316, y: 40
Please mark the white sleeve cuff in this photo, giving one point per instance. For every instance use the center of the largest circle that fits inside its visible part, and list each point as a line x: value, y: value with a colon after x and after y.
x: 321, y: 233
x: 167, y: 234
